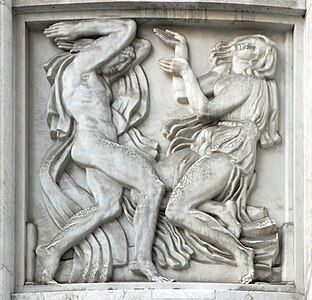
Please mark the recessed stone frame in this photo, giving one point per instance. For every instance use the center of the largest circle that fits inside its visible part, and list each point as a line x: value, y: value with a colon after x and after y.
x: 292, y: 115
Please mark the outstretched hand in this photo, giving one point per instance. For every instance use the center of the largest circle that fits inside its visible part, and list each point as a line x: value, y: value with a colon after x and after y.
x: 171, y: 38
x: 174, y: 66
x: 62, y: 31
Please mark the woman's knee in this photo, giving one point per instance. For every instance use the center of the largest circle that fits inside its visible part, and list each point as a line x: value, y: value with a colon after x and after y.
x: 222, y: 164
x: 175, y: 213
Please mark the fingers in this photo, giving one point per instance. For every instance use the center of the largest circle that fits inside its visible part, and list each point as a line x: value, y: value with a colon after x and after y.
x: 57, y: 30
x: 157, y: 29
x: 172, y: 32
x: 52, y: 29
x: 63, y: 39
x: 165, y: 36
x: 76, y: 48
x: 161, y: 34
x: 166, y: 60
x: 166, y: 32
x: 65, y: 46
x: 51, y: 33
x: 166, y: 64
x: 55, y: 25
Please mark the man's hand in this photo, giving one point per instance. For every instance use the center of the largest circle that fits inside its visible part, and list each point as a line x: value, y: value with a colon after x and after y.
x: 174, y: 66
x: 171, y: 38
x: 62, y: 31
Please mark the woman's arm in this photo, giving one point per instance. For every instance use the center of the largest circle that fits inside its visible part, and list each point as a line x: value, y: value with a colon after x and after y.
x: 231, y: 97
x: 179, y: 43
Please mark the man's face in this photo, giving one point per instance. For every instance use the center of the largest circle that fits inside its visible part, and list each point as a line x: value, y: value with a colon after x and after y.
x: 119, y: 63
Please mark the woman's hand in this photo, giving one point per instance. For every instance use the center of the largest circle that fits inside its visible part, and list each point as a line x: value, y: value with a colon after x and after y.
x: 171, y: 38
x: 174, y: 66
x: 62, y: 31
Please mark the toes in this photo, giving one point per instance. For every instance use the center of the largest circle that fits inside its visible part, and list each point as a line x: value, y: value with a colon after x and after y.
x: 247, y: 278
x: 162, y: 279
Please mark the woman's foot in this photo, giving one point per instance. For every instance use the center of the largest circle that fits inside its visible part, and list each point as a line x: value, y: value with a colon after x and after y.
x: 49, y: 263
x: 246, y: 265
x: 147, y: 269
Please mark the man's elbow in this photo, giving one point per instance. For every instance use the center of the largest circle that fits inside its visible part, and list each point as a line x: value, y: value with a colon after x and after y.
x: 131, y: 27
x: 147, y: 46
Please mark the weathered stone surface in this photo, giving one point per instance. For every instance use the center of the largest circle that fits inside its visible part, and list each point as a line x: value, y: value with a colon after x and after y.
x: 7, y: 136
x: 285, y: 188
x: 160, y: 294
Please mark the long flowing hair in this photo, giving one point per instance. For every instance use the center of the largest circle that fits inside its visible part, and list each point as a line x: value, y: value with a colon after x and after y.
x: 262, y: 67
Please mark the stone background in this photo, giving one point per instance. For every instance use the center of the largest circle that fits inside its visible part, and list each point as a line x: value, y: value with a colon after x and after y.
x: 38, y: 91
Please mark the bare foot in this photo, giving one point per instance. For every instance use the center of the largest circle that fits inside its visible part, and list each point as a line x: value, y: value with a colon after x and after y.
x: 246, y: 265
x: 247, y: 278
x: 230, y: 220
x: 148, y: 270
x: 49, y: 263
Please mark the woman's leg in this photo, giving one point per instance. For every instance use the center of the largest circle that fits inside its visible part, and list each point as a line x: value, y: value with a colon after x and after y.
x: 206, y: 179
x: 166, y: 168
x: 225, y: 212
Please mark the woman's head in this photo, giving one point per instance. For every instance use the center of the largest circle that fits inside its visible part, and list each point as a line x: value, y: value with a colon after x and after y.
x: 257, y: 51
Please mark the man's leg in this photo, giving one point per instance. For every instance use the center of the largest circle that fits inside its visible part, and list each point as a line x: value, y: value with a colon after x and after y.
x: 203, y: 181
x: 107, y: 194
x: 132, y: 170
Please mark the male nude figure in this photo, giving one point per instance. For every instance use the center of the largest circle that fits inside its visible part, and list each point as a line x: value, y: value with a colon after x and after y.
x: 109, y: 166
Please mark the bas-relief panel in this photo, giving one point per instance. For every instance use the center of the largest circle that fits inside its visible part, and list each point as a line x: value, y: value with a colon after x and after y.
x: 191, y: 261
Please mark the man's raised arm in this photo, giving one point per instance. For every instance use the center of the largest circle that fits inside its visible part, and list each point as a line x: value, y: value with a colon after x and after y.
x: 113, y: 36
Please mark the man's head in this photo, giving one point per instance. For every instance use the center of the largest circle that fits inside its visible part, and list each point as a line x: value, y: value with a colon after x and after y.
x: 117, y: 66
x: 120, y: 63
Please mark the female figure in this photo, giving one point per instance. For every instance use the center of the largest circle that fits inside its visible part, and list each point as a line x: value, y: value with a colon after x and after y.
x: 235, y: 106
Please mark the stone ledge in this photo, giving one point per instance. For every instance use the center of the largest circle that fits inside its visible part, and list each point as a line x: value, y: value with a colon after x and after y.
x: 110, y: 286
x: 159, y: 294
x: 286, y: 7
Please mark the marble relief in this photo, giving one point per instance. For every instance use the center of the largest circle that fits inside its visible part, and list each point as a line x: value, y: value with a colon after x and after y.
x: 116, y: 205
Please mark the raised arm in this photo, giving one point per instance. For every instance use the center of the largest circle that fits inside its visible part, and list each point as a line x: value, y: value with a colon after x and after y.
x: 114, y: 36
x: 230, y: 98
x: 179, y: 43
x: 142, y: 49
x: 208, y: 80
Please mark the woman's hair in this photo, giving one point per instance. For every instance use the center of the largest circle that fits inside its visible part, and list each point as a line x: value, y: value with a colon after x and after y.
x: 261, y: 67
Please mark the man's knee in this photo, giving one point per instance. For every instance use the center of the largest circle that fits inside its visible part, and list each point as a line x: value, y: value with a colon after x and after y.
x: 156, y: 191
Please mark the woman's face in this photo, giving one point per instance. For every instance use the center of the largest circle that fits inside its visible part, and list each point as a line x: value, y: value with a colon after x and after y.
x: 249, y: 49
